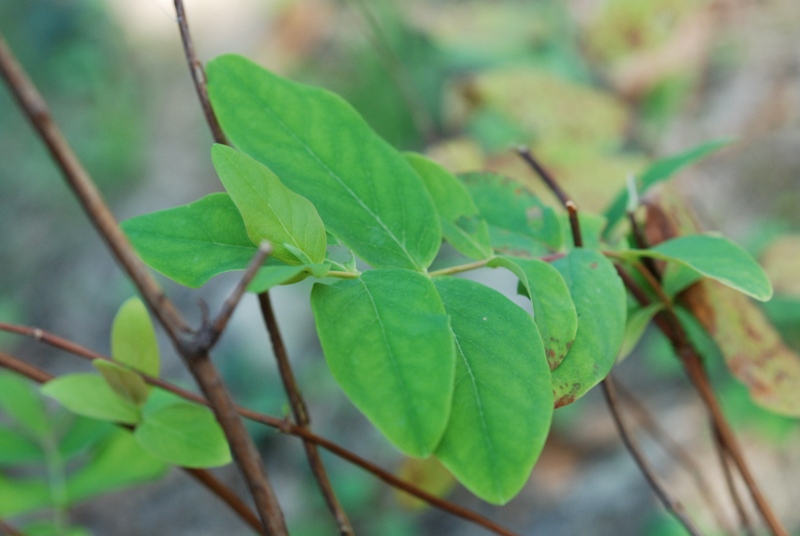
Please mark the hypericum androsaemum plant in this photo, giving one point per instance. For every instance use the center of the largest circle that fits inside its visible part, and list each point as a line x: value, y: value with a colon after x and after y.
x: 443, y: 366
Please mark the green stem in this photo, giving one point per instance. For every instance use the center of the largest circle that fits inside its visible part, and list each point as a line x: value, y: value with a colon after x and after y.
x: 461, y: 268
x: 342, y: 274
x: 57, y: 479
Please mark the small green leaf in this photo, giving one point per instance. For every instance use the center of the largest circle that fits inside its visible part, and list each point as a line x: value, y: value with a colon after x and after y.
x: 270, y: 210
x: 503, y: 400
x: 553, y: 310
x: 519, y: 223
x: 272, y: 276
x: 600, y: 300
x: 90, y: 395
x: 635, y: 326
x: 717, y: 258
x: 184, y: 434
x: 16, y: 448
x: 22, y: 496
x: 364, y: 190
x: 84, y: 433
x: 660, y: 171
x: 19, y: 399
x: 118, y: 463
x: 122, y: 381
x: 133, y: 339
x: 462, y: 225
x: 192, y: 243
x: 387, y: 341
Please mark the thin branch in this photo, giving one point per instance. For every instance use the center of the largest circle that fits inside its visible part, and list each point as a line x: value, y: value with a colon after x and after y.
x: 300, y: 412
x: 201, y: 475
x: 670, y: 325
x: 678, y: 453
x: 545, y: 175
x: 196, y: 358
x: 725, y: 462
x: 229, y: 306
x: 198, y: 75
x: 460, y: 268
x: 574, y: 223
x: 672, y: 505
x: 227, y: 496
x: 283, y: 425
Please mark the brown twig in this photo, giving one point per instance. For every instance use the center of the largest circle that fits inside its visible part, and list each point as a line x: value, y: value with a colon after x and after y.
x: 545, y: 175
x: 283, y: 425
x: 201, y: 475
x: 198, y: 75
x: 672, y: 505
x: 670, y: 325
x: 725, y: 463
x: 300, y: 413
x: 678, y: 453
x: 195, y: 356
x: 219, y: 324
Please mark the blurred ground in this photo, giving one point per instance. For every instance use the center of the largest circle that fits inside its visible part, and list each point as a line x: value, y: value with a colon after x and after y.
x: 597, y: 87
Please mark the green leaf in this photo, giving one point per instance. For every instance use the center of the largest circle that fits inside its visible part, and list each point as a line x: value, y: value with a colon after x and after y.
x: 678, y: 277
x: 22, y: 496
x: 122, y: 381
x: 90, y: 395
x: 184, y: 434
x: 503, y: 400
x: 600, y: 300
x: 270, y: 210
x: 16, y: 448
x: 271, y: 276
x: 387, y: 341
x: 635, y: 326
x: 364, y: 190
x: 49, y: 528
x: 553, y: 310
x: 462, y: 225
x: 519, y: 223
x: 192, y: 243
x: 83, y: 434
x: 19, y: 399
x: 119, y: 462
x: 660, y: 171
x: 717, y: 258
x: 133, y: 339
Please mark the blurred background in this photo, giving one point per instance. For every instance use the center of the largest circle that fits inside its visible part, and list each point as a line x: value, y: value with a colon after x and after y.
x: 598, y: 88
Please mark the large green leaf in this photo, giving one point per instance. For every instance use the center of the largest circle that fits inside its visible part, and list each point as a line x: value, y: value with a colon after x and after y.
x: 553, y: 310
x: 119, y: 462
x: 90, y: 395
x: 599, y: 297
x: 192, y: 243
x: 660, y: 171
x: 717, y: 258
x: 19, y: 400
x: 519, y: 223
x: 462, y: 225
x: 365, y: 191
x: 184, y: 434
x: 503, y: 400
x: 133, y: 339
x: 387, y: 341
x: 270, y: 210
